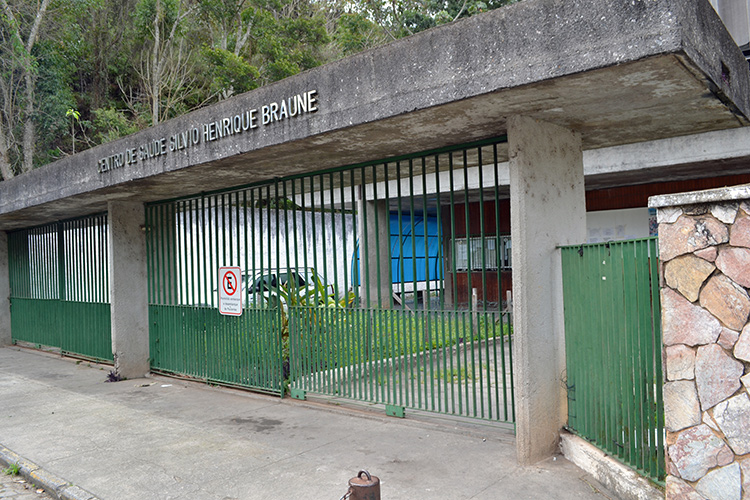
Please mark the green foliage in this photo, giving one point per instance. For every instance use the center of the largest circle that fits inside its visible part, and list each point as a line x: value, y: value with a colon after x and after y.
x: 313, y: 295
x: 249, y: 43
x: 454, y: 374
x: 231, y: 73
x: 110, y: 124
x: 409, y: 333
x: 289, y: 45
x: 355, y: 33
x: 342, y: 336
x: 54, y: 96
x: 12, y: 470
x: 279, y: 202
x: 162, y: 12
x: 405, y: 17
x: 99, y: 57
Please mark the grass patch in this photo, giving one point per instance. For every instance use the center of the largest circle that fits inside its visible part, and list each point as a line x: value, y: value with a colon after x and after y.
x: 329, y: 338
x: 12, y: 470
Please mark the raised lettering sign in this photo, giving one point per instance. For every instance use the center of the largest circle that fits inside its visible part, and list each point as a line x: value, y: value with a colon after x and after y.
x: 240, y: 123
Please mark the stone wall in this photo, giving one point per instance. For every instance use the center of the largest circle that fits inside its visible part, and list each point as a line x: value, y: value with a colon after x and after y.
x: 705, y: 255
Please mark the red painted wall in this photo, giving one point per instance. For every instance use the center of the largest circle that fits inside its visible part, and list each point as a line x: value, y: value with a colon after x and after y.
x: 495, y: 222
x: 603, y: 199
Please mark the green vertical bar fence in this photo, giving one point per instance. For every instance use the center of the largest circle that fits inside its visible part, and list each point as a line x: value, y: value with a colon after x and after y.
x: 405, y: 333
x: 59, y: 279
x: 188, y: 241
x: 613, y: 349
x: 349, y: 282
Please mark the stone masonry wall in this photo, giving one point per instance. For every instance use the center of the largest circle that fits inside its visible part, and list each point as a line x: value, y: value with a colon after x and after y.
x: 705, y: 255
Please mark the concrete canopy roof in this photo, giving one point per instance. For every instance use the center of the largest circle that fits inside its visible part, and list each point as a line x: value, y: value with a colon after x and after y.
x: 617, y: 72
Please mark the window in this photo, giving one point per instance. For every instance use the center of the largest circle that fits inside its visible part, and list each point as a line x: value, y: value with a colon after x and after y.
x: 497, y: 251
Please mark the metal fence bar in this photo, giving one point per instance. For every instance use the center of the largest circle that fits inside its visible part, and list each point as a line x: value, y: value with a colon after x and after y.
x: 658, y: 436
x: 613, y: 349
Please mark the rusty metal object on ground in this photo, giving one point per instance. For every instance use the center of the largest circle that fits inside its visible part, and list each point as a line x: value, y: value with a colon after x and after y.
x: 367, y: 488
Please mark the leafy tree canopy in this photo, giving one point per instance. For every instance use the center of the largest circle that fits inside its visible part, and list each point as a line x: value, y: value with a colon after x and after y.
x: 77, y: 73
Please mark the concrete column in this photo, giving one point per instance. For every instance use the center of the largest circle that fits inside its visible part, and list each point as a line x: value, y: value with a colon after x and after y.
x: 5, y: 334
x: 547, y: 209
x: 374, y: 247
x: 736, y: 17
x: 128, y: 288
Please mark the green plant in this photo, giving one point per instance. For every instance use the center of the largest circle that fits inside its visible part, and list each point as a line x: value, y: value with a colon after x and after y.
x: 12, y: 470
x: 310, y: 294
x: 75, y: 118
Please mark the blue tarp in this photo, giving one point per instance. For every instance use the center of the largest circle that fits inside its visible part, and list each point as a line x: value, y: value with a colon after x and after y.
x: 409, y: 246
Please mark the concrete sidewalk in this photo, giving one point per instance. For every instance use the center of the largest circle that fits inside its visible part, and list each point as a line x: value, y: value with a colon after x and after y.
x: 160, y: 438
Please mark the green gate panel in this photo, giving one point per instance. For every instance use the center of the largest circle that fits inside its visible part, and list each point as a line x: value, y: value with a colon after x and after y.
x: 59, y: 280
x: 87, y: 329
x: 450, y: 362
x: 200, y: 343
x: 35, y: 321
x: 613, y: 349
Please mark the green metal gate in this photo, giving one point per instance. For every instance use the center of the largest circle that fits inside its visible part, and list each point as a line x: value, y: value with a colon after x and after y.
x: 380, y: 282
x: 59, y: 281
x: 613, y: 349
x: 187, y: 242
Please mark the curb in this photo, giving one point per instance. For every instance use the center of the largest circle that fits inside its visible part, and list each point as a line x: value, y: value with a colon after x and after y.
x: 57, y: 487
x: 620, y: 479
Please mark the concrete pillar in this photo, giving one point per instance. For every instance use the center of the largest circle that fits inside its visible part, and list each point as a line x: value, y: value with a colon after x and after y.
x: 128, y: 288
x: 547, y: 209
x: 5, y: 334
x: 374, y: 247
x: 736, y: 17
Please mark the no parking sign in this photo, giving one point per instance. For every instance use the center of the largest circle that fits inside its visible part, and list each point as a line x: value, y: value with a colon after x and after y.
x: 230, y: 291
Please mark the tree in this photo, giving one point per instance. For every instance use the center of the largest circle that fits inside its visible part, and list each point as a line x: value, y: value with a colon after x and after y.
x: 165, y: 65
x: 292, y: 38
x: 399, y: 18
x: 254, y: 42
x: 230, y: 26
x: 20, y: 33
x: 106, y: 31
x: 109, y: 124
x: 355, y: 33
x: 55, y: 56
x: 106, y: 81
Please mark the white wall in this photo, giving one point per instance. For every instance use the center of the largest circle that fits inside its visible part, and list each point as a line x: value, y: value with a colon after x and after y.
x: 319, y: 240
x: 613, y: 225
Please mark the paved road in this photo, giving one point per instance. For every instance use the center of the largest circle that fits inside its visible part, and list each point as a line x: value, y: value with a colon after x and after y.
x: 163, y: 439
x: 17, y: 488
